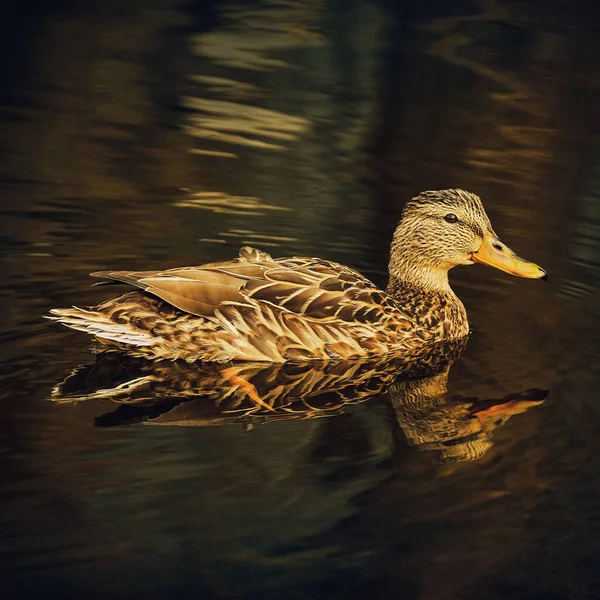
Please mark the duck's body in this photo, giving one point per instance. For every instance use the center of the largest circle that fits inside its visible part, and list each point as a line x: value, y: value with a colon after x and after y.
x: 256, y: 308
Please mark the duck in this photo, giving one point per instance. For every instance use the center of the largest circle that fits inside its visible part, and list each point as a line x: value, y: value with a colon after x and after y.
x: 293, y: 309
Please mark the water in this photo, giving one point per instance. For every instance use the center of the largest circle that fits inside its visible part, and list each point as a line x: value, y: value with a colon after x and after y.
x: 164, y: 133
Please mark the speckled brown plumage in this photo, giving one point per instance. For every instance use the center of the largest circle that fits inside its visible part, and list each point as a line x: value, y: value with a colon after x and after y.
x: 257, y: 308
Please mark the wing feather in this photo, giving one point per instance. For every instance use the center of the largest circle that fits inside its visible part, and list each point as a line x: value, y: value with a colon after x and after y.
x: 306, y: 288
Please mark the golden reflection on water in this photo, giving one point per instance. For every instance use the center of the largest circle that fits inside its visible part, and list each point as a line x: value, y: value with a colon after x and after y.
x: 242, y: 124
x: 248, y: 44
x: 286, y: 141
x: 253, y: 35
x: 220, y: 202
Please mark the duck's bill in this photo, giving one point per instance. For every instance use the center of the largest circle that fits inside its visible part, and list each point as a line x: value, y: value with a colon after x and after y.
x: 496, y: 254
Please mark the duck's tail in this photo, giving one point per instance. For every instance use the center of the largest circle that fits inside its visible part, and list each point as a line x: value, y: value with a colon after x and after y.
x: 101, y: 326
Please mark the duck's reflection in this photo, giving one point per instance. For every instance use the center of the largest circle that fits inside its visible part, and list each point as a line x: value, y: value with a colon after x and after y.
x: 456, y: 428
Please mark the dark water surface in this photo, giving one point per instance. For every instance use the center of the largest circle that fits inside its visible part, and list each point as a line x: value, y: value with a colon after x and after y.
x: 161, y: 133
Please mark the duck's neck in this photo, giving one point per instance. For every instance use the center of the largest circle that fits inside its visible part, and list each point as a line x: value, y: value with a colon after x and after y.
x: 427, y: 282
x: 415, y: 265
x: 407, y: 275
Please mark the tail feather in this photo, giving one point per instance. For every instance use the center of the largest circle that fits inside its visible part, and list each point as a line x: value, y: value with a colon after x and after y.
x: 120, y: 392
x: 101, y: 326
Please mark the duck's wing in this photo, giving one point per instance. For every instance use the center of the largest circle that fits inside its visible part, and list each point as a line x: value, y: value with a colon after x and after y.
x: 309, y: 288
x: 197, y: 290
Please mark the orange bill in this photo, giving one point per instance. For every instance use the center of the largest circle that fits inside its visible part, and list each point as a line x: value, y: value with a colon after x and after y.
x: 496, y: 254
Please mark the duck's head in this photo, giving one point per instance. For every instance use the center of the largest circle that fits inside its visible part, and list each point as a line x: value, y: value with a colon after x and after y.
x: 446, y: 228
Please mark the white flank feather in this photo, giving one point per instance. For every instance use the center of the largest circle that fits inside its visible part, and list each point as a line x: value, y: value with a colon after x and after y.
x: 101, y: 326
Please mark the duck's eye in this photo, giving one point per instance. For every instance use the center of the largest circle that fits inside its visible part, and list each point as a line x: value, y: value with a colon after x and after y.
x: 451, y: 218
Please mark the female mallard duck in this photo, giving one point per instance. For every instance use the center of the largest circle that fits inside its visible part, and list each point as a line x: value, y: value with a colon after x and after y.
x: 257, y: 308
